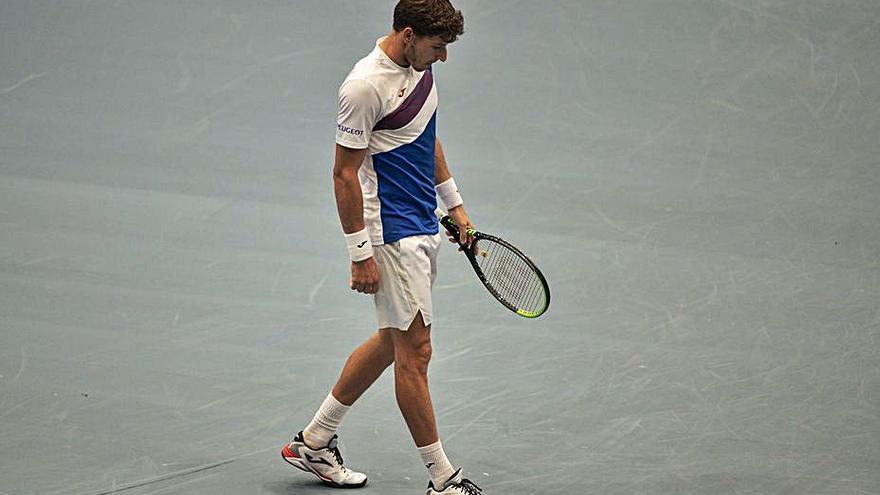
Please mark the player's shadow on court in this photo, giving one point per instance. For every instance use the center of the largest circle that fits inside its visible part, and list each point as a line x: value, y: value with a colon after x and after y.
x: 294, y: 486
x: 303, y: 485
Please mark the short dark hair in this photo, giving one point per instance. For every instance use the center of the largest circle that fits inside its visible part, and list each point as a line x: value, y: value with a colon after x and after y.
x: 429, y: 18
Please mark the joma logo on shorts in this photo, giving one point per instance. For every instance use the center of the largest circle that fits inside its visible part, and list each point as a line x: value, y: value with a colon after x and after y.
x: 349, y: 130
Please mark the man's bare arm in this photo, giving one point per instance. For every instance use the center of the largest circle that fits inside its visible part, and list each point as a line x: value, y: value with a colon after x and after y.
x: 441, y: 175
x: 350, y: 206
x: 347, y: 188
x: 441, y: 170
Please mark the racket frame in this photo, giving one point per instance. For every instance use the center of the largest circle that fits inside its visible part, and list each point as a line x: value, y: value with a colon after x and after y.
x: 453, y: 230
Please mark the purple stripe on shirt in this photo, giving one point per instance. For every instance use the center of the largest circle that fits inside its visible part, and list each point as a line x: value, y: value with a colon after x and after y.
x: 407, y: 111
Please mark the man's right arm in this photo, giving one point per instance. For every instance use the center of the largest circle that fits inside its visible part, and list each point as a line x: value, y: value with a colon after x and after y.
x: 349, y: 197
x: 350, y: 206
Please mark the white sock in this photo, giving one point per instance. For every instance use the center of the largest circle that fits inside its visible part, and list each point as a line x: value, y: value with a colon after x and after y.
x: 438, y: 465
x: 325, y: 423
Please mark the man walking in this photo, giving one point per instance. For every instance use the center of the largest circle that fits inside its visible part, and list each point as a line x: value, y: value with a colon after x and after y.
x: 388, y: 174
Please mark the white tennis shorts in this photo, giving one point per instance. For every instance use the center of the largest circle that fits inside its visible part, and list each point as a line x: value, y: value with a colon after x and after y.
x: 407, y: 269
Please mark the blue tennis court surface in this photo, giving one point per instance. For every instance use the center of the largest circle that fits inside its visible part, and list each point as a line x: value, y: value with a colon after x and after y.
x: 698, y: 180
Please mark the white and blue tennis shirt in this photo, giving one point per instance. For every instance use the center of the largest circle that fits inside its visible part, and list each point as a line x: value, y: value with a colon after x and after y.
x: 391, y: 110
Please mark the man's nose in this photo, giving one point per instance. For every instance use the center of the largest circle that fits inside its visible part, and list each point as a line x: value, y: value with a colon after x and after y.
x: 442, y: 56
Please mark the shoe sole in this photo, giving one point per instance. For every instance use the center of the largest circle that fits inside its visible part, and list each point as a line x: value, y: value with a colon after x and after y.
x: 299, y: 464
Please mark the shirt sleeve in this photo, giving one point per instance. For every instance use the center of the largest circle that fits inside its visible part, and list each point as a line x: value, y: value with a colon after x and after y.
x: 359, y: 109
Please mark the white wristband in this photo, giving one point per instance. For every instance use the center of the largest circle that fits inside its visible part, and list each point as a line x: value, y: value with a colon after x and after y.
x: 447, y: 191
x: 359, y: 247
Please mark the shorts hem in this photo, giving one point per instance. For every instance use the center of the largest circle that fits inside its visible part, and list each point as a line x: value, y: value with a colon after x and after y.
x: 426, y: 319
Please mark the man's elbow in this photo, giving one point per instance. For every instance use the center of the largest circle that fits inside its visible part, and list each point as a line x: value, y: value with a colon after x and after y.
x: 343, y: 175
x: 347, y: 163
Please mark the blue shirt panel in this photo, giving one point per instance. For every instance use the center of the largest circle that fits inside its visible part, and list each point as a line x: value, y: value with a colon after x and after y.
x: 406, y: 187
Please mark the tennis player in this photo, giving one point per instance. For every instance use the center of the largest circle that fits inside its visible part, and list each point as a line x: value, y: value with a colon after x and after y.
x: 388, y: 174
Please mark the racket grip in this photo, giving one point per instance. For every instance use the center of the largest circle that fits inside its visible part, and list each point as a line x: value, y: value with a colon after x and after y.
x: 449, y: 224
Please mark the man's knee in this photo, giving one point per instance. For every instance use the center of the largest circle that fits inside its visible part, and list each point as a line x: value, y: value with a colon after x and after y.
x: 414, y: 358
x: 412, y: 348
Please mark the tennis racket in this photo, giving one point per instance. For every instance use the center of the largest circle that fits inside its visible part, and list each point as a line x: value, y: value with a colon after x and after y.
x: 510, y: 275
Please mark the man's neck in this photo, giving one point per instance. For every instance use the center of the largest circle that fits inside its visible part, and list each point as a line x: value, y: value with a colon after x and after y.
x: 392, y: 45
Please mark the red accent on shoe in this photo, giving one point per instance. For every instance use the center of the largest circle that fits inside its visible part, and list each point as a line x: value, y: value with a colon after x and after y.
x: 287, y: 452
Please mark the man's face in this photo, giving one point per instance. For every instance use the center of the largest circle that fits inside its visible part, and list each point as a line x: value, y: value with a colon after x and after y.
x: 422, y: 51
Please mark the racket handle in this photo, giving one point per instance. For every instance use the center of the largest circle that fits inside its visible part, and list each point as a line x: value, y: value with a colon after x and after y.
x: 449, y: 224
x: 453, y: 230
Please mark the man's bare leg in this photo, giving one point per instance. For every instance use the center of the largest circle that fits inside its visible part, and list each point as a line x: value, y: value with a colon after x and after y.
x: 363, y: 367
x: 412, y: 353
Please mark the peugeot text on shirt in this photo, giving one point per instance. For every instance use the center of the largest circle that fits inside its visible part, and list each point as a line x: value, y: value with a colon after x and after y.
x: 349, y: 130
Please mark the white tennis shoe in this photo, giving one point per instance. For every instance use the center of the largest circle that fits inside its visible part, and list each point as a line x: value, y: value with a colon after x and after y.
x: 457, y: 484
x: 324, y: 463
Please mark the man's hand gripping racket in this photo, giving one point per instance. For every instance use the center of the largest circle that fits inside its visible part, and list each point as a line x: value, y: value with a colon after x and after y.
x: 508, y: 274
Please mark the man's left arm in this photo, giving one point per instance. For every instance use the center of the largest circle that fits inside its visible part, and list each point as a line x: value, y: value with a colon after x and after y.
x: 447, y: 192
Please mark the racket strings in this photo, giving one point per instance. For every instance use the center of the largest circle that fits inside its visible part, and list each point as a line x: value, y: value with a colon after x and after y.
x: 510, y: 276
